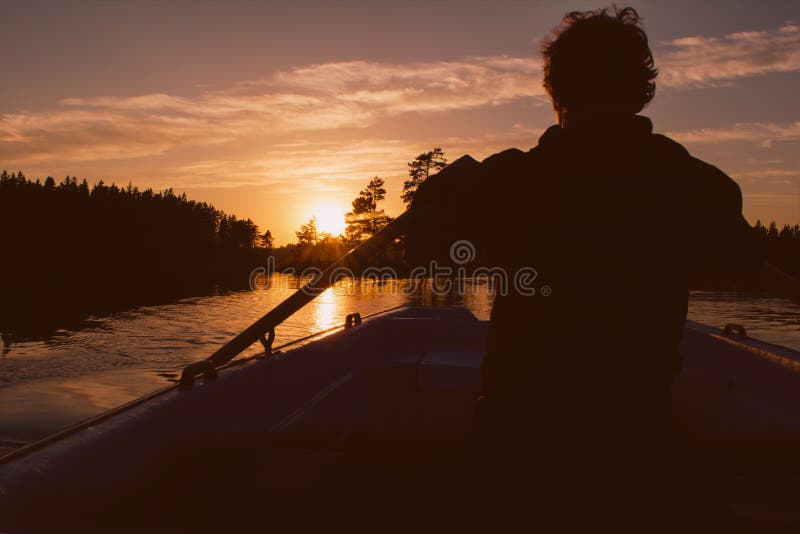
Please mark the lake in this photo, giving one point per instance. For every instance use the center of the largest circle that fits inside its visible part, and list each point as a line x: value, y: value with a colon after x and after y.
x: 48, y: 384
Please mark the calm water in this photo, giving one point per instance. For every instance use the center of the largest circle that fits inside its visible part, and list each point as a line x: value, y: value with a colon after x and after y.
x: 48, y: 384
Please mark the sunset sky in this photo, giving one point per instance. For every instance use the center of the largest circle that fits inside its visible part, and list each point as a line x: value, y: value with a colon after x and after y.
x: 276, y: 111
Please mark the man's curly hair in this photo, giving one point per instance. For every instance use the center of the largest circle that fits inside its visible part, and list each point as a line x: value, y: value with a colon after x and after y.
x: 598, y: 60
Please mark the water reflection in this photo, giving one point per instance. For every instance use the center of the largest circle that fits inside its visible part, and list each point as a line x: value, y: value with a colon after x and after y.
x: 71, y: 374
x: 53, y: 381
x: 6, y: 343
x: 765, y: 317
x: 325, y: 312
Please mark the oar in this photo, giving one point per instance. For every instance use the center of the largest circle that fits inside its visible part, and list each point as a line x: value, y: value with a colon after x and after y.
x: 266, y: 325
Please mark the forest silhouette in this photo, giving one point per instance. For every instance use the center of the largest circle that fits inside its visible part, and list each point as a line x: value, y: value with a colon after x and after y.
x: 70, y: 249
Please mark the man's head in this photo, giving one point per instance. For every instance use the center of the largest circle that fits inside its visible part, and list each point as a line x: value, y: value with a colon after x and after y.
x: 599, y: 62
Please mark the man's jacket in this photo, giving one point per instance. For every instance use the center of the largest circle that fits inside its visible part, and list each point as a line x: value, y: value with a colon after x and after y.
x: 615, y: 221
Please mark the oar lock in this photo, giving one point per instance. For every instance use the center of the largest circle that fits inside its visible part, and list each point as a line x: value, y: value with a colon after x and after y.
x: 209, y: 370
x: 732, y: 328
x: 352, y: 319
x: 266, y: 340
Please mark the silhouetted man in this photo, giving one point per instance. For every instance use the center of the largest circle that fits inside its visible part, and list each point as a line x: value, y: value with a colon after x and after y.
x: 616, y: 221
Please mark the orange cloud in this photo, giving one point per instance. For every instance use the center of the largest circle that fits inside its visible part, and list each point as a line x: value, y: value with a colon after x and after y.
x: 756, y: 132
x: 304, y: 166
x: 710, y: 61
x: 314, y: 98
x: 317, y: 99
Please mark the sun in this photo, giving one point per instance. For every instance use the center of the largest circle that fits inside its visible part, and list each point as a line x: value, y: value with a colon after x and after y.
x: 330, y: 218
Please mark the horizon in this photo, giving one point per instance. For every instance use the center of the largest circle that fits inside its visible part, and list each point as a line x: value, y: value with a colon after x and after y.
x: 238, y: 105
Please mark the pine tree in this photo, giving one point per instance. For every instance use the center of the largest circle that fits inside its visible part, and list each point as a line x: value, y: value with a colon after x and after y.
x: 366, y: 219
x: 420, y: 169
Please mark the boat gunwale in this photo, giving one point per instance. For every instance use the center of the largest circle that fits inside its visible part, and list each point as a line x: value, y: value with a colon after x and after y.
x: 774, y: 353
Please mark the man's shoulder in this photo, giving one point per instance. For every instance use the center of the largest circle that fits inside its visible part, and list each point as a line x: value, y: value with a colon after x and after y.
x: 707, y: 180
x: 664, y: 147
x: 715, y: 185
x: 509, y: 154
x: 676, y: 153
x: 507, y: 160
x: 467, y: 162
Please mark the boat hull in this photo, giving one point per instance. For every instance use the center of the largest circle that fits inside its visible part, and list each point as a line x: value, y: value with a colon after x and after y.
x: 400, y: 385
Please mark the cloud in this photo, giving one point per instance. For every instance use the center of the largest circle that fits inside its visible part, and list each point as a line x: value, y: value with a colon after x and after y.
x: 90, y: 135
x: 712, y: 61
x: 769, y: 181
x: 323, y: 97
x: 777, y: 174
x: 334, y: 99
x: 302, y: 166
x: 420, y: 86
x: 313, y: 166
x: 756, y: 132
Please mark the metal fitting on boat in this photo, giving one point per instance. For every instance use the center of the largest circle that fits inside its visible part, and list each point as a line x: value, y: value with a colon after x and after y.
x: 732, y: 328
x: 352, y: 319
x: 266, y: 342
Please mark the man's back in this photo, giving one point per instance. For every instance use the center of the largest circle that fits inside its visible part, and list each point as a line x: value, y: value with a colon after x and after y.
x: 614, y: 220
x: 615, y: 223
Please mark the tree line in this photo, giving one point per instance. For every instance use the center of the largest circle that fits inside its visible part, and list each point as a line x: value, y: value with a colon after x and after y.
x: 73, y: 245
x: 782, y: 245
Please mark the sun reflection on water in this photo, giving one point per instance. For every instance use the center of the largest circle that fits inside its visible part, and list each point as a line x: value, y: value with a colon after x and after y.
x: 327, y: 311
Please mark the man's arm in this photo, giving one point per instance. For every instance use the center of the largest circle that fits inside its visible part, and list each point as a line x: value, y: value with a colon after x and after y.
x: 435, y: 208
x: 731, y: 246
x: 736, y: 247
x: 457, y: 204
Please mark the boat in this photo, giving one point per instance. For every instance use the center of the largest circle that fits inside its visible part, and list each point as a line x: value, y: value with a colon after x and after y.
x: 254, y: 445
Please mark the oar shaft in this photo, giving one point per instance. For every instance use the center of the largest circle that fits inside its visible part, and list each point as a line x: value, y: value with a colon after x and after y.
x: 309, y: 291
